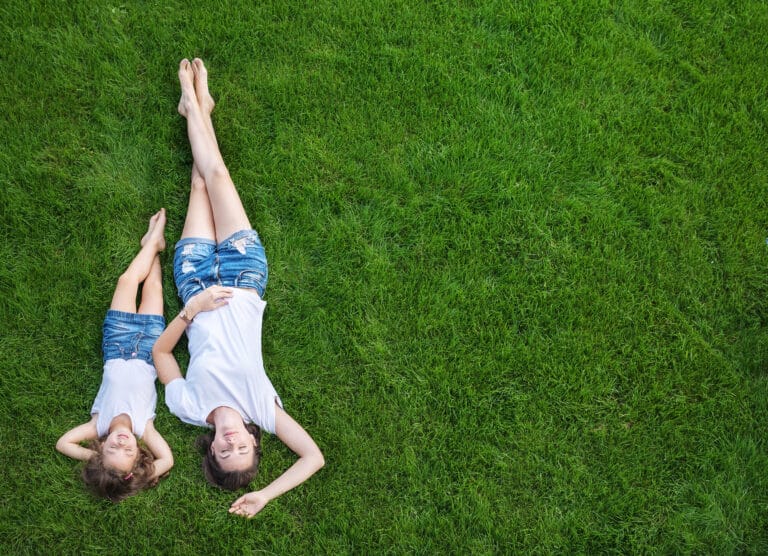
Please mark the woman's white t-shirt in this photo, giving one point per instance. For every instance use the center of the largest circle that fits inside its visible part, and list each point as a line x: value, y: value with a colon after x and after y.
x: 127, y: 386
x: 226, y: 366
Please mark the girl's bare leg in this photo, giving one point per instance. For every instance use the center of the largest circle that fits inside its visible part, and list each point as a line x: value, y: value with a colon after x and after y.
x: 228, y: 213
x: 153, y: 242
x: 152, y: 290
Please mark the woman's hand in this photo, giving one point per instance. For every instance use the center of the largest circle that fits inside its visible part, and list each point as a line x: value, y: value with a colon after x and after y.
x: 162, y: 352
x: 207, y: 300
x: 249, y: 504
x: 310, y: 461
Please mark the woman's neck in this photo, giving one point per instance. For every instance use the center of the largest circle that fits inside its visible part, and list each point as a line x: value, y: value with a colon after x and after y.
x: 224, y: 417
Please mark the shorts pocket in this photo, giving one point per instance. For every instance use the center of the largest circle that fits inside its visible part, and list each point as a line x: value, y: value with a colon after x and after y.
x: 252, y: 279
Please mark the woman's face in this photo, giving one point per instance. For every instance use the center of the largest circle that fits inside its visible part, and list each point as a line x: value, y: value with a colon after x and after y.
x: 233, y: 447
x: 120, y: 450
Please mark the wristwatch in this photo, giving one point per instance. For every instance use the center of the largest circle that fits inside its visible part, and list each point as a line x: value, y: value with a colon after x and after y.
x: 184, y: 317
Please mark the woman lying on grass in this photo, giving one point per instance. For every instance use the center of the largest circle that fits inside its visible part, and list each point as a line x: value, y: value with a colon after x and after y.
x: 117, y: 465
x: 221, y: 271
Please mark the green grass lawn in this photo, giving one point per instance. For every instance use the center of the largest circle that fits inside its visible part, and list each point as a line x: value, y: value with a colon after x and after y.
x: 518, y: 267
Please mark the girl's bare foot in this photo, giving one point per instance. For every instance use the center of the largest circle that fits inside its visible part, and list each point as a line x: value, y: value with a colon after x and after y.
x: 204, y: 98
x: 156, y: 231
x: 188, y: 96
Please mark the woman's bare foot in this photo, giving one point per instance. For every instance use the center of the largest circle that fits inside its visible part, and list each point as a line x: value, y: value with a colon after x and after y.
x: 204, y: 98
x: 188, y: 95
x: 156, y: 231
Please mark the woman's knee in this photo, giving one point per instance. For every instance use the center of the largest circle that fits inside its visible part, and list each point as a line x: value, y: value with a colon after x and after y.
x: 198, y: 184
x: 217, y: 174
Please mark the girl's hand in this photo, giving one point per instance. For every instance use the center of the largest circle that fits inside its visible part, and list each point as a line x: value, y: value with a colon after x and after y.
x: 249, y: 504
x: 208, y: 300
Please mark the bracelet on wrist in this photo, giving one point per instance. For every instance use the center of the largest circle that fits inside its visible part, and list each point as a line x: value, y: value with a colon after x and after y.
x: 185, y: 317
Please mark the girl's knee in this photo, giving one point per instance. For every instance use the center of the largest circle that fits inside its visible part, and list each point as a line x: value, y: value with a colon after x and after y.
x: 128, y: 279
x: 154, y: 283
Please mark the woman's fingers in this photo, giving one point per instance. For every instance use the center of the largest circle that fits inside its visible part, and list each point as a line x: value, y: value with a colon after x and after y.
x: 221, y: 291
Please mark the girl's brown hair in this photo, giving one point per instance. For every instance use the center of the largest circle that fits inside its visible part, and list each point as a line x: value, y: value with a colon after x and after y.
x: 229, y: 480
x: 115, y: 485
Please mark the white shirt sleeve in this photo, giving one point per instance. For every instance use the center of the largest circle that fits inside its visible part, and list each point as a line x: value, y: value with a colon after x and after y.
x: 176, y: 399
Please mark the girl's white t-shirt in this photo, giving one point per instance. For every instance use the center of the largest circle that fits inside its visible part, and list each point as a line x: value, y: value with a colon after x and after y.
x: 226, y: 366
x: 127, y: 386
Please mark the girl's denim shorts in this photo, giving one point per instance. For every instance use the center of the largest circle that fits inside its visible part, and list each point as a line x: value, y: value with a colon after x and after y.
x: 237, y: 262
x: 130, y: 335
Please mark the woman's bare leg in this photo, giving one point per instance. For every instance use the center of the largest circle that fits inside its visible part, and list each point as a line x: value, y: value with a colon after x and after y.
x: 199, y: 219
x: 153, y: 242
x: 228, y: 213
x: 204, y: 98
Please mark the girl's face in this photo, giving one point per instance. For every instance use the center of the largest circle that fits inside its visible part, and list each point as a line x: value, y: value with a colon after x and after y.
x: 233, y: 447
x: 120, y: 450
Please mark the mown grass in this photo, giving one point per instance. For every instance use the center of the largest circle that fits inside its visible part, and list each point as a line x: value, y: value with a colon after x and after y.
x: 517, y: 285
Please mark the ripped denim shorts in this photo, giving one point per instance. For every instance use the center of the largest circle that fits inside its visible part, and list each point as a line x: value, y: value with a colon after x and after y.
x: 130, y: 335
x: 238, y: 262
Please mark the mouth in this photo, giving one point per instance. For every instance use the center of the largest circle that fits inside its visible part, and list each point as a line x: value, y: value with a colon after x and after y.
x: 230, y: 434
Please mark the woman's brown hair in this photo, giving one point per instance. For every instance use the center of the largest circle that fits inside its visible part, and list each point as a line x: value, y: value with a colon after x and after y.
x: 229, y: 480
x: 113, y: 484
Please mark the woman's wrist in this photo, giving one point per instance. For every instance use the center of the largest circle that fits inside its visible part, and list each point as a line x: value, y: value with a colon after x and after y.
x: 187, y: 314
x: 207, y: 300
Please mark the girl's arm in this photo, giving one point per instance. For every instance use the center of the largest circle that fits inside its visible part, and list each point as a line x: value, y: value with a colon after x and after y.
x: 310, y: 461
x: 159, y: 448
x: 162, y: 352
x: 69, y: 443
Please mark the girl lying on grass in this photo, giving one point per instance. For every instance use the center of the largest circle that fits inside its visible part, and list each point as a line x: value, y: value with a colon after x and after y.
x: 221, y: 272
x: 117, y: 466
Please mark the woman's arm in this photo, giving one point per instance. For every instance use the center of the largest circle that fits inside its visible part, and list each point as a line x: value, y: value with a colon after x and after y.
x: 69, y: 443
x: 159, y: 448
x: 162, y: 352
x: 309, y: 462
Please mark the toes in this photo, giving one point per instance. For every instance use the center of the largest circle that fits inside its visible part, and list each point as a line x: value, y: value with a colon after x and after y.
x: 185, y: 71
x: 161, y: 217
x: 199, y: 67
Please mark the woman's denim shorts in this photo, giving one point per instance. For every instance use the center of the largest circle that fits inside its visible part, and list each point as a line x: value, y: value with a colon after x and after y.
x: 130, y: 335
x: 237, y: 262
